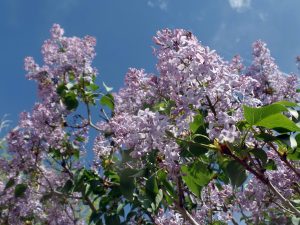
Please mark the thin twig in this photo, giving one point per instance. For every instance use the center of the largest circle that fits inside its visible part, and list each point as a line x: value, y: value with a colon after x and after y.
x: 267, y: 182
x: 211, y: 106
x: 186, y: 214
x: 286, y: 202
x: 90, y: 117
x: 284, y: 159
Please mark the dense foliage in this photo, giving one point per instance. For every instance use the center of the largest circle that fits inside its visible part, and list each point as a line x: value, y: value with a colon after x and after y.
x: 203, y: 142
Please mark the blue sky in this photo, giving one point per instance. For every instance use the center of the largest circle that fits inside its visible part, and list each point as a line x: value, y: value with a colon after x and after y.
x: 124, y: 31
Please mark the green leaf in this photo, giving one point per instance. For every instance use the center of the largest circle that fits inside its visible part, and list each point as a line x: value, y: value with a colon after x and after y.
x: 152, y: 187
x: 146, y: 203
x: 223, y: 177
x: 87, y: 189
x: 295, y: 220
x: 270, y: 165
x: 55, y: 153
x: 261, y: 155
x: 158, y: 198
x: 287, y: 104
x: 196, y: 176
x: 294, y: 154
x: 282, y: 139
x: 163, y: 181
x: 97, y: 187
x: 120, y: 207
x: 297, y: 137
x: 9, y: 183
x: 279, y: 122
x: 108, y: 100
x: 270, y: 117
x: 296, y: 201
x: 163, y: 107
x: 242, y: 125
x: 139, y: 173
x: 104, y: 202
x: 254, y: 115
x: 293, y: 142
x: 265, y: 137
x: 68, y: 186
x: 95, y: 217
x: 190, y: 203
x: 80, y: 139
x: 115, y: 192
x: 108, y: 89
x: 160, y: 107
x: 191, y: 149
x: 197, y: 123
x: 61, y: 89
x: 92, y: 87
x: 70, y: 101
x: 76, y: 153
x: 69, y: 85
x: 236, y: 173
x: 127, y: 183
x: 112, y: 175
x: 71, y: 75
x: 78, y: 180
x: 20, y: 190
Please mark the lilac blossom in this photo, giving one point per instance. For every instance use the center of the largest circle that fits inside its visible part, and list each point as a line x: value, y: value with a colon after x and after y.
x: 48, y: 127
x: 197, y: 78
x: 169, y: 217
x: 256, y: 198
x: 151, y: 113
x: 274, y: 85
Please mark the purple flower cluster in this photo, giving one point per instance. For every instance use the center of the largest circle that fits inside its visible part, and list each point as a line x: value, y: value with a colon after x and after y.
x: 169, y: 217
x: 49, y: 127
x: 150, y: 113
x: 273, y: 85
x: 45, y: 127
x: 39, y: 200
x: 62, y: 55
x: 193, y: 77
x: 256, y: 198
x: 215, y: 201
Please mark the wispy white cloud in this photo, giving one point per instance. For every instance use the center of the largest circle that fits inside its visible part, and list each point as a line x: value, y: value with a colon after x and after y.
x: 67, y: 4
x: 162, y: 4
x: 59, y: 7
x: 240, y: 5
x: 263, y: 16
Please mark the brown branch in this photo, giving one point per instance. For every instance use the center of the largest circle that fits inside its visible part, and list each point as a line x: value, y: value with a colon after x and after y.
x: 180, y: 208
x: 261, y: 176
x: 211, y: 106
x: 266, y: 181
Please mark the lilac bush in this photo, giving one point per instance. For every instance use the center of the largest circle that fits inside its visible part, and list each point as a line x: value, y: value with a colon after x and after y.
x: 204, y: 141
